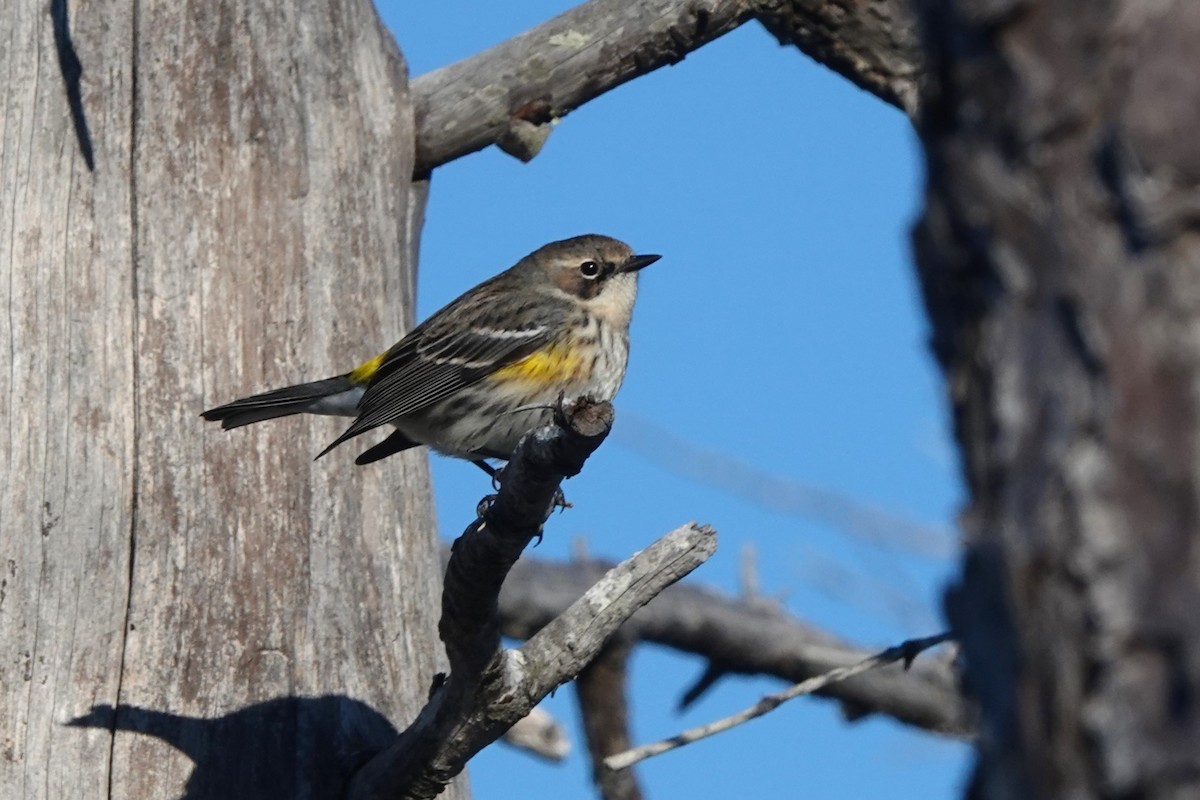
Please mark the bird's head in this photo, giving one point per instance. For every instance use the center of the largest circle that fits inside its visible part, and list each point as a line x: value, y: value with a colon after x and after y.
x: 599, y: 270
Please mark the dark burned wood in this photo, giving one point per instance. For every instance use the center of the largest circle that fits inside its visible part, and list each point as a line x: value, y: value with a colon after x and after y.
x: 483, y: 555
x: 1061, y: 269
x: 745, y: 638
x: 488, y: 688
x: 602, y: 690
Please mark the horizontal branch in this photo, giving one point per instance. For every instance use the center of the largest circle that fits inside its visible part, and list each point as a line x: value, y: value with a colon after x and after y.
x: 751, y: 638
x: 510, y: 94
x: 543, y: 74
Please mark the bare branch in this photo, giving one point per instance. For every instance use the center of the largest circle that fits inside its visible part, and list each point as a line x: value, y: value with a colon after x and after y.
x: 434, y: 748
x: 749, y: 639
x: 540, y: 734
x: 458, y: 722
x: 602, y: 692
x: 905, y: 652
x: 512, y: 93
x: 543, y: 74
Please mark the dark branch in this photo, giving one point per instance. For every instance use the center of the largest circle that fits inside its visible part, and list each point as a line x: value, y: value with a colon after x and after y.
x: 711, y: 676
x: 603, y: 707
x: 510, y: 94
x: 489, y: 688
x: 751, y: 638
x: 480, y: 561
x: 489, y: 547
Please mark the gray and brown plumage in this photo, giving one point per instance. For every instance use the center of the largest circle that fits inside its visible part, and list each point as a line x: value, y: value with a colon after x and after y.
x: 490, y: 366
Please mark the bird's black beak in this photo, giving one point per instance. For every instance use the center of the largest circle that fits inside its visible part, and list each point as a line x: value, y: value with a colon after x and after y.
x: 637, y: 262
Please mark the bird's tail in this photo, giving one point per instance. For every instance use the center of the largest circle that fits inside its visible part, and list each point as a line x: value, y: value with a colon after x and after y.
x: 334, y: 396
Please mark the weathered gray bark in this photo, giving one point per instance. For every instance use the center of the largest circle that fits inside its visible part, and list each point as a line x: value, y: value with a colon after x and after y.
x: 1061, y: 268
x: 510, y: 94
x: 257, y: 621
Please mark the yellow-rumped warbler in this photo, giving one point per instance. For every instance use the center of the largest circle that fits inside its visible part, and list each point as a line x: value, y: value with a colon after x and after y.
x: 472, y: 379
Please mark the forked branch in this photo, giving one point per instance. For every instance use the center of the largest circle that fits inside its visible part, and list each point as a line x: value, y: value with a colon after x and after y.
x: 489, y: 688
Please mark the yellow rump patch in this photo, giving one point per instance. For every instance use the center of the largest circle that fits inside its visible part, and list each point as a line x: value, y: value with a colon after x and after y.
x: 552, y: 364
x: 363, y: 372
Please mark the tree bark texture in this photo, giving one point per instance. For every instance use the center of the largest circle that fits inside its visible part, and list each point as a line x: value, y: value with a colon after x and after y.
x: 872, y: 43
x: 1061, y: 268
x: 182, y: 610
x: 510, y: 95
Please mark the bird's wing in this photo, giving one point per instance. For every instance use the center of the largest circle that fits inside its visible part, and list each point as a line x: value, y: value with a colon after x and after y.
x: 442, y: 356
x: 421, y: 376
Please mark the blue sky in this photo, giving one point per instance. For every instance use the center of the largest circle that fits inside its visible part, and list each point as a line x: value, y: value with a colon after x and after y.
x: 782, y: 331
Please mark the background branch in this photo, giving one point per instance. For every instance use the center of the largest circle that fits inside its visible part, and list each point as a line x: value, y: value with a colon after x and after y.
x: 603, y: 705
x: 539, y: 734
x: 906, y: 652
x: 872, y: 43
x: 752, y: 638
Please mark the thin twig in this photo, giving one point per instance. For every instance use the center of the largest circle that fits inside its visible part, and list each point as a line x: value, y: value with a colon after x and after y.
x: 906, y: 652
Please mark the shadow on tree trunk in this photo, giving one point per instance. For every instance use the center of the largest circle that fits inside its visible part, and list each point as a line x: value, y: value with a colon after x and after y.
x: 324, y: 740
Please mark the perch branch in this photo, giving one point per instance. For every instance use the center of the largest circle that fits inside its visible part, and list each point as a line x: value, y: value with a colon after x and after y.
x: 423, y: 758
x: 490, y: 688
x: 905, y: 652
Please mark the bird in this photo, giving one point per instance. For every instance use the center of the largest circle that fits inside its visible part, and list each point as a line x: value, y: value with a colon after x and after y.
x: 490, y: 366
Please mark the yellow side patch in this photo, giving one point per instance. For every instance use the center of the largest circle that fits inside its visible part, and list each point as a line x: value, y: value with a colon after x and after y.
x: 552, y: 364
x: 363, y: 372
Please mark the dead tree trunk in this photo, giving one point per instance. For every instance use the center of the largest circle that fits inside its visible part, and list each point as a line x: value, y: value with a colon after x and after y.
x: 184, y: 611
x: 1061, y: 268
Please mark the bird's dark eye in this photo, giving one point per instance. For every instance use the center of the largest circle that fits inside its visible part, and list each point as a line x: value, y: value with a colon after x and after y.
x: 589, y: 269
